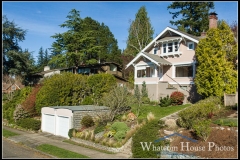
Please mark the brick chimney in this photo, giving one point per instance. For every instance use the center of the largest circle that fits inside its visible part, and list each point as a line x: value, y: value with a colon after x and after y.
x: 213, y: 20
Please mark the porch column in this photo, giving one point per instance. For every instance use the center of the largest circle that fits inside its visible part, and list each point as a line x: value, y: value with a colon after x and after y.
x: 135, y: 72
x: 155, y: 70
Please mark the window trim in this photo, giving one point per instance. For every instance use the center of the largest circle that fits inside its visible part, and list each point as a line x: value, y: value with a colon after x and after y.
x: 184, y: 65
x: 188, y: 43
x: 167, y: 47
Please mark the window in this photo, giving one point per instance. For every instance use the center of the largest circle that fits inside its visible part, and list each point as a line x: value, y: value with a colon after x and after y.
x: 164, y: 48
x: 13, y: 87
x: 175, y: 46
x: 113, y: 67
x: 141, y: 73
x: 190, y: 45
x: 155, y: 50
x: 184, y: 71
x: 170, y: 47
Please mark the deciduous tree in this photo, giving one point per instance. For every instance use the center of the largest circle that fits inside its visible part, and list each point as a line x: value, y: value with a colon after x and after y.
x: 140, y: 33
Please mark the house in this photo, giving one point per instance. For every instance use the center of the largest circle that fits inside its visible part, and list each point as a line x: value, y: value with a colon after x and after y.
x: 105, y: 67
x: 10, y: 87
x: 58, y: 120
x: 168, y: 63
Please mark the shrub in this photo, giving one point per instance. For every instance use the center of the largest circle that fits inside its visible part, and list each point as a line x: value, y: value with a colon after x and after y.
x: 99, y: 128
x: 202, y: 128
x: 199, y: 111
x: 119, y: 126
x: 120, y: 135
x: 165, y: 102
x: 70, y: 132
x: 177, y: 98
x: 87, y: 101
x: 148, y: 133
x: 87, y: 121
x: 145, y: 100
x: 29, y: 123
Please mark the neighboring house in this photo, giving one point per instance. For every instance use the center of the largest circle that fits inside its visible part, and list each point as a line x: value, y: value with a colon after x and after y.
x: 168, y: 63
x: 106, y: 67
x: 9, y: 88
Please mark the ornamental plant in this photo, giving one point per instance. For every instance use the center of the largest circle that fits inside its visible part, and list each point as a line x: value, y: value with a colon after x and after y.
x: 177, y: 98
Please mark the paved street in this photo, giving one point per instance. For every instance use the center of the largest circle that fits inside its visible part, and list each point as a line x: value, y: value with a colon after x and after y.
x: 32, y: 140
x: 15, y: 150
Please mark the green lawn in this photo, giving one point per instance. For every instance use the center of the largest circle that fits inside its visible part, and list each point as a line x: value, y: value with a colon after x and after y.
x: 79, y: 144
x: 7, y: 133
x: 231, y: 122
x: 158, y: 111
x: 59, y: 152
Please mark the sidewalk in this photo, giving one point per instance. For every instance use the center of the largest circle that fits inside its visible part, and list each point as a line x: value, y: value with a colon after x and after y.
x: 32, y: 140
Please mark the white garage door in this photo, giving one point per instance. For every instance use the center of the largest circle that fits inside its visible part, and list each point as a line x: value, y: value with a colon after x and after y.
x: 49, y: 123
x: 63, y: 126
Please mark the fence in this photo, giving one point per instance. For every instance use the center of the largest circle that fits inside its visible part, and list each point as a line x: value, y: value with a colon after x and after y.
x: 230, y: 99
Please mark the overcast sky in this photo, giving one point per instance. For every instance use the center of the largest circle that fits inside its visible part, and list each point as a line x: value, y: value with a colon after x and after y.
x: 42, y: 19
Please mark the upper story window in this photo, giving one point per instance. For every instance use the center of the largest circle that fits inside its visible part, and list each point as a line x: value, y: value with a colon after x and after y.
x: 155, y: 50
x: 190, y: 45
x: 170, y: 47
x: 13, y: 87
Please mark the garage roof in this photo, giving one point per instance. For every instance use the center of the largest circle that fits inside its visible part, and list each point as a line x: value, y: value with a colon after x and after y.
x: 81, y: 108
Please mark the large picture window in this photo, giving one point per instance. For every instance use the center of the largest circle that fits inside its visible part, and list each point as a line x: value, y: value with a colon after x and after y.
x: 184, y: 71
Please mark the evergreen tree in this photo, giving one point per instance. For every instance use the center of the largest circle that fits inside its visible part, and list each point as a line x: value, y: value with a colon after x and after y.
x: 140, y: 33
x: 138, y: 97
x: 215, y: 68
x: 16, y: 62
x: 194, y: 16
x: 86, y: 42
x: 11, y: 35
x: 46, y: 58
x: 144, y: 90
x: 40, y: 58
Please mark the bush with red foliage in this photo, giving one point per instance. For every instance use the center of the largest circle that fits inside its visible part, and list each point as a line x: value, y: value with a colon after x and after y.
x: 29, y: 103
x: 177, y: 98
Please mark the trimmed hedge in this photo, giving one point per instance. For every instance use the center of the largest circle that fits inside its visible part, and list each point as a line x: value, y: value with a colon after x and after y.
x: 29, y: 123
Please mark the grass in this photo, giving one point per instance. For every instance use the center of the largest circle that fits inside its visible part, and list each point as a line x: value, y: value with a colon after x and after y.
x: 158, y: 111
x: 7, y: 133
x: 82, y: 145
x: 59, y: 152
x: 231, y: 122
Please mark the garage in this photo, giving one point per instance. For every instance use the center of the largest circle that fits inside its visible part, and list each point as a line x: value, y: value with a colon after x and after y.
x: 58, y: 120
x: 48, y: 123
x: 62, y: 126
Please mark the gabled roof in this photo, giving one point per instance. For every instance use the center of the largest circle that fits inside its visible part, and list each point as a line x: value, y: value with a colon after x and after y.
x: 152, y: 57
x: 181, y: 33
